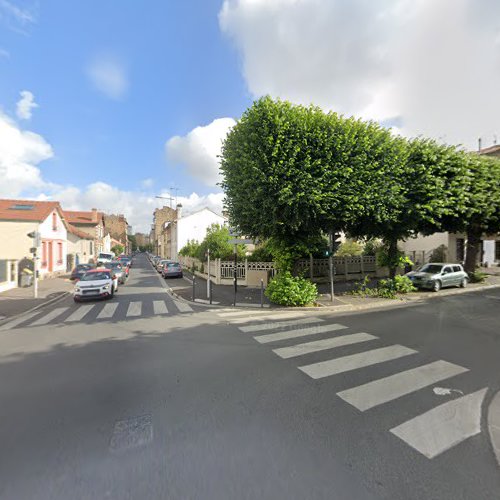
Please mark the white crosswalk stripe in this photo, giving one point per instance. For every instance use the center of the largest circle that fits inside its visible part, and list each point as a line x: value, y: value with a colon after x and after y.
x: 80, y: 313
x: 321, y: 345
x: 108, y: 311
x: 159, y: 307
x: 302, y: 332
x: 356, y: 361
x: 444, y: 426
x: 50, y: 316
x: 182, y: 306
x: 134, y: 309
x: 278, y: 324
x: 18, y: 321
x: 282, y: 315
x: 386, y: 389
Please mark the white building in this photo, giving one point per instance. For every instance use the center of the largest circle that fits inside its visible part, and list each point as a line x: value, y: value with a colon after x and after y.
x: 189, y: 227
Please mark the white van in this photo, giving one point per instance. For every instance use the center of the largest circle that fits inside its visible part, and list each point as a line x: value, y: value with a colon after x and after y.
x: 104, y: 257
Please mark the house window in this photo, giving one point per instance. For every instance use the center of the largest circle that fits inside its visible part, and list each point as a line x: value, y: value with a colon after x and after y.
x: 59, y: 253
x: 44, y: 254
x: 54, y: 221
x: 460, y: 249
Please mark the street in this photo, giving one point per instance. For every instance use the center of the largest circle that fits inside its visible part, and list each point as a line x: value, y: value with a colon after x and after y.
x: 147, y: 396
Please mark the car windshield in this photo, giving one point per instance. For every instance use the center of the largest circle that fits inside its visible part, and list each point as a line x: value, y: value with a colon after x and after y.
x: 102, y: 275
x: 431, y: 268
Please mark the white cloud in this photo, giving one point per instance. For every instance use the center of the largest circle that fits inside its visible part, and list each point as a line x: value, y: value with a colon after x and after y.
x: 195, y: 202
x: 25, y: 105
x: 147, y: 183
x: 14, y: 17
x: 198, y: 150
x: 21, y: 152
x: 436, y: 65
x: 108, y: 75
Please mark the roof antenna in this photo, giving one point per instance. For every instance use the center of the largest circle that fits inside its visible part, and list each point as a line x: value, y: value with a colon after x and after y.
x: 495, y: 139
x: 479, y: 144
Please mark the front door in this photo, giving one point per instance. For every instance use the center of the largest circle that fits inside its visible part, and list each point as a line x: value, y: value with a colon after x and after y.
x: 51, y: 257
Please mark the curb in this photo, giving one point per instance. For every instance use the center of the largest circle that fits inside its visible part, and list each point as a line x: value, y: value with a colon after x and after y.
x: 494, y: 424
x: 39, y: 306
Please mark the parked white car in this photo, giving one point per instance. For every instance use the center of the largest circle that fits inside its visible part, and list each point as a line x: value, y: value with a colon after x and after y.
x: 95, y: 284
x: 105, y: 257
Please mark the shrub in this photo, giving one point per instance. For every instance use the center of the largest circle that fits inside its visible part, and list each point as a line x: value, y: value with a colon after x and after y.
x: 477, y: 276
x: 403, y: 284
x: 288, y: 290
x: 386, y: 289
x: 438, y: 254
x: 349, y: 249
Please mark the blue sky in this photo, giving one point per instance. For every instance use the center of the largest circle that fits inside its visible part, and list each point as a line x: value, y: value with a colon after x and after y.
x: 165, y: 49
x: 106, y: 103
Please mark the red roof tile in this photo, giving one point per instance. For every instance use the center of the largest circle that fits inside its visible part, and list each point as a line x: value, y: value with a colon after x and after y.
x: 28, y: 210
x: 80, y: 217
x: 80, y: 234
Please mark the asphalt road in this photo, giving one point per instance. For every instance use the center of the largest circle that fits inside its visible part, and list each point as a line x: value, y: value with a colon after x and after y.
x: 147, y: 397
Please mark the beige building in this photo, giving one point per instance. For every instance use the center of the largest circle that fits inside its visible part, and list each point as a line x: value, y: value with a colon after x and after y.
x: 18, y: 218
x: 161, y: 237
x: 420, y: 249
x: 117, y: 227
x: 80, y: 247
x: 91, y: 223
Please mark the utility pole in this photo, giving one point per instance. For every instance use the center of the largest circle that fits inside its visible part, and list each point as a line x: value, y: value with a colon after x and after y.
x: 35, y: 235
x: 330, y: 263
x: 208, y: 273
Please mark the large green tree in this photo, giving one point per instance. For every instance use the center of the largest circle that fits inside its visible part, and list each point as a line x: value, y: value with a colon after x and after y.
x: 218, y: 241
x: 482, y: 217
x: 424, y: 192
x: 291, y: 173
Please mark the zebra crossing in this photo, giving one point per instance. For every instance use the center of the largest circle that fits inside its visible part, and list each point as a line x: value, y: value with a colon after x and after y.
x: 97, y: 311
x: 430, y: 433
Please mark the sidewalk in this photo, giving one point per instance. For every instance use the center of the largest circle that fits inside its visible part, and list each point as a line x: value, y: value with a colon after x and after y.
x: 222, y: 295
x: 19, y: 300
x: 494, y: 424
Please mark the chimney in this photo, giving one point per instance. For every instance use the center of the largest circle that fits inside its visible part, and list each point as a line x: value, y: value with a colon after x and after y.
x: 179, y: 211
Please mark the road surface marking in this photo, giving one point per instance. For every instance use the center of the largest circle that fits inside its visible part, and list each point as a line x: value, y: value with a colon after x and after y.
x: 134, y: 309
x: 80, y: 313
x: 160, y: 307
x: 50, y: 316
x: 386, y: 389
x: 18, y: 321
x: 444, y: 426
x: 321, y: 345
x: 302, y: 332
x: 131, y: 433
x: 108, y: 311
x: 183, y: 307
x: 356, y: 361
x: 278, y: 324
x: 283, y: 315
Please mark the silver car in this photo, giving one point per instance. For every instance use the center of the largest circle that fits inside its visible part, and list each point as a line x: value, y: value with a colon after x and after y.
x: 437, y: 275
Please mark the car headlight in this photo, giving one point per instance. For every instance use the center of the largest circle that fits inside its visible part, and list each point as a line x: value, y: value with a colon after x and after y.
x: 105, y: 287
x: 77, y: 290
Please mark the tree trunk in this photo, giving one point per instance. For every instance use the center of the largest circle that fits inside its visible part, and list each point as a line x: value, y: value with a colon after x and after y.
x: 472, y: 249
x: 392, y: 254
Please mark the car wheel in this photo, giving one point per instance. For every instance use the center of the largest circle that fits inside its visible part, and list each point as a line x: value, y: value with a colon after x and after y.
x: 463, y: 283
x: 75, y: 299
x: 436, y: 286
